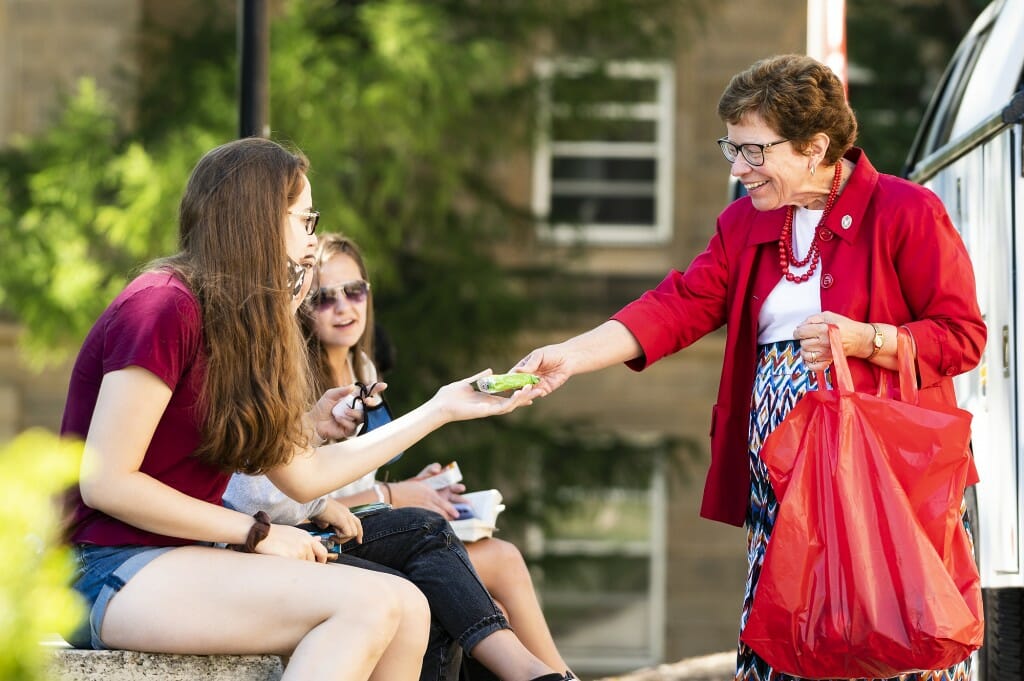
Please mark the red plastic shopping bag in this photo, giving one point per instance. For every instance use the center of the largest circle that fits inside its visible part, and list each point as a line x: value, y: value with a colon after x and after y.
x: 869, y: 571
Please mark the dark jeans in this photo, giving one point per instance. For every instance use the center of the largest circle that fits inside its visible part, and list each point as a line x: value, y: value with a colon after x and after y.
x: 421, y: 546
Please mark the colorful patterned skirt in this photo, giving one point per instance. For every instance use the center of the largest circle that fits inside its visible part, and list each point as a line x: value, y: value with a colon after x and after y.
x: 781, y: 380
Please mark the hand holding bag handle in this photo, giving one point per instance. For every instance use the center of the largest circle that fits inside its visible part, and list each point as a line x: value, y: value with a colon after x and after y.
x: 905, y: 356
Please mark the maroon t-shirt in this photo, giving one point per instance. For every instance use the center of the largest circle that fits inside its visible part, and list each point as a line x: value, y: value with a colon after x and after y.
x: 155, y: 324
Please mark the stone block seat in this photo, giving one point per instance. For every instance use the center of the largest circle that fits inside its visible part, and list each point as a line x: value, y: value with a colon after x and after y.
x: 70, y: 664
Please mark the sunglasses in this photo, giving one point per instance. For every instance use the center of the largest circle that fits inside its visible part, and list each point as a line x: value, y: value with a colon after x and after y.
x: 312, y: 217
x: 328, y: 296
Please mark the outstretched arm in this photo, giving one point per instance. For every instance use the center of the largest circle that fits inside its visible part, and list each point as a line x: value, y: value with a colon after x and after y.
x: 314, y: 473
x: 601, y: 347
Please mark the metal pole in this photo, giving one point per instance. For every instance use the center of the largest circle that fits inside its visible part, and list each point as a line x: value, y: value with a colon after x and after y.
x: 253, y: 55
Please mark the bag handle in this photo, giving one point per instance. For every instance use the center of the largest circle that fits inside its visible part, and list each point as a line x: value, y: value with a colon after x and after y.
x: 908, y: 374
x: 904, y: 359
x: 840, y: 367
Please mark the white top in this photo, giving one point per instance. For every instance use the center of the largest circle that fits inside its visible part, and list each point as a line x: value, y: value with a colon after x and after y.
x: 790, y: 303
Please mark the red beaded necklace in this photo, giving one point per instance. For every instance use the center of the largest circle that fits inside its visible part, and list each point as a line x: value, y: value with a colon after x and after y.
x: 787, y: 256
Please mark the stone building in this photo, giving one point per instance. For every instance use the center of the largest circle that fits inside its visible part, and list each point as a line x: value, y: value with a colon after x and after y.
x: 697, y: 567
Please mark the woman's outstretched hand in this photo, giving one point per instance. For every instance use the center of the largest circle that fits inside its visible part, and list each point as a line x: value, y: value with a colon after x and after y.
x: 458, y: 401
x: 549, y: 364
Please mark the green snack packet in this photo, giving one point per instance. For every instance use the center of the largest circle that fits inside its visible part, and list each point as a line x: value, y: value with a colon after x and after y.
x: 500, y: 383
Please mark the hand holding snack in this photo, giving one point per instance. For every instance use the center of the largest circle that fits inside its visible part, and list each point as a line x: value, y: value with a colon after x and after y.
x: 499, y: 383
x: 459, y: 401
x: 550, y: 364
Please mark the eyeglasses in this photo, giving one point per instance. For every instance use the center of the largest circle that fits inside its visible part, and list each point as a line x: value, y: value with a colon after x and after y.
x: 296, y: 276
x: 312, y: 217
x: 354, y: 291
x: 752, y: 153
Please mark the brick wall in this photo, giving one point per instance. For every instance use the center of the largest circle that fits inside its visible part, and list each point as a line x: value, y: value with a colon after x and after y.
x: 47, y: 45
x: 28, y: 398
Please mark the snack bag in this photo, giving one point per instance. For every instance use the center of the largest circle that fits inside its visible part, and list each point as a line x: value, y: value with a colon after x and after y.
x: 499, y: 383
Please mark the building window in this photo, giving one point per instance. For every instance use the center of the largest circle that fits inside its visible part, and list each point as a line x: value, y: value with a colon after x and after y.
x: 600, y: 570
x: 603, y: 167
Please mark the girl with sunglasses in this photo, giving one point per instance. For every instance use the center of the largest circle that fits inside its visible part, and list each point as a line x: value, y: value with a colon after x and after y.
x: 195, y: 371
x: 337, y: 319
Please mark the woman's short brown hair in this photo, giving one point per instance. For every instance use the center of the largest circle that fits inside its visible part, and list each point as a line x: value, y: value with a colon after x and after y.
x: 797, y: 97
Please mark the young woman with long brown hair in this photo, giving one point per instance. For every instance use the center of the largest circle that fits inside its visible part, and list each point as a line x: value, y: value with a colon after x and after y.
x: 195, y: 371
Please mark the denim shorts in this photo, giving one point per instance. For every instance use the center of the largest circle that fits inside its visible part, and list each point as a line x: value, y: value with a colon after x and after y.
x: 101, y: 572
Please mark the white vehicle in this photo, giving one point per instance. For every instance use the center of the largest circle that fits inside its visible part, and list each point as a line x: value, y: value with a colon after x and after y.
x: 970, y: 151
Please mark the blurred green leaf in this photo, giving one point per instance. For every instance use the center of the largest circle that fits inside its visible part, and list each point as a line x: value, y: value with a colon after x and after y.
x: 35, y: 569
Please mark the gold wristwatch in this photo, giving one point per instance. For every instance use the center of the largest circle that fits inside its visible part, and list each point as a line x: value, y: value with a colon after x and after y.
x: 877, y: 342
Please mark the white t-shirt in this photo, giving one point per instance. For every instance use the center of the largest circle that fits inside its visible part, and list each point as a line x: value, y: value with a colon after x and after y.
x: 790, y: 303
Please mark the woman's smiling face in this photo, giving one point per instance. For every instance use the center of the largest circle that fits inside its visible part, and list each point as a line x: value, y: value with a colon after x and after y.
x: 783, y: 179
x: 343, y: 322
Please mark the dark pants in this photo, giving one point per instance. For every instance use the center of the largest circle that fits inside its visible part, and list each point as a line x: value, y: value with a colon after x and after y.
x: 421, y: 546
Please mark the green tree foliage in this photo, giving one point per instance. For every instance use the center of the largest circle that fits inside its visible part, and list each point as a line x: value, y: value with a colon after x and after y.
x: 897, y: 52
x: 83, y: 206
x: 35, y: 599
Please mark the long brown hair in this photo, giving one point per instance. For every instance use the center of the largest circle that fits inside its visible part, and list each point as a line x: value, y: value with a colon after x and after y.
x: 233, y: 257
x: 331, y: 245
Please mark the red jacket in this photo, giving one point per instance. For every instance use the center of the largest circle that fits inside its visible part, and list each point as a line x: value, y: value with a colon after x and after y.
x: 889, y: 254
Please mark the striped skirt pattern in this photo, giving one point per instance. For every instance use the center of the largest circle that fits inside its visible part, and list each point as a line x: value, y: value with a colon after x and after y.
x: 781, y: 380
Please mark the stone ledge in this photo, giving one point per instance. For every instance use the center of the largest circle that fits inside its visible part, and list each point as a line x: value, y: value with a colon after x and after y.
x: 126, y: 665
x: 716, y: 667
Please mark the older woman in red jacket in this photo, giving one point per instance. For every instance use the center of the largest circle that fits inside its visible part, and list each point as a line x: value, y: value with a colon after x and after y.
x: 822, y: 238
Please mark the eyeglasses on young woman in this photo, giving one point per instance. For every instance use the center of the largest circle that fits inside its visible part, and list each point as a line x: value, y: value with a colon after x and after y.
x: 312, y: 217
x: 752, y: 153
x: 354, y: 291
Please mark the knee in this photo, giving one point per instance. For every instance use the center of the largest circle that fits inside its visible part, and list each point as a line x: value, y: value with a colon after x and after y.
x: 369, y: 614
x: 503, y: 571
x: 408, y: 604
x: 500, y: 558
x: 508, y: 555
